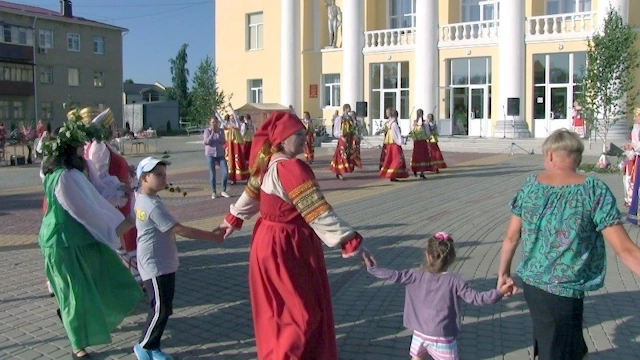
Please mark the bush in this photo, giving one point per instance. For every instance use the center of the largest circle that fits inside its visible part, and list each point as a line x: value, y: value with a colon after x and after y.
x: 587, y: 168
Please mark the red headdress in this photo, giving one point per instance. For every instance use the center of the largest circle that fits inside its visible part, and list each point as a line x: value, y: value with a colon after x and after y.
x: 278, y: 126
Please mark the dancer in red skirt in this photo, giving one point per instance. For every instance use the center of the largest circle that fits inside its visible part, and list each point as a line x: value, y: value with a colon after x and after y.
x: 356, y: 159
x: 343, y: 130
x: 394, y: 166
x: 310, y: 138
x: 437, y: 160
x: 420, y: 161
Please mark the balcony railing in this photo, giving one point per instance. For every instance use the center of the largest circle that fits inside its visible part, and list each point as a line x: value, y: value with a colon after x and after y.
x: 469, y: 33
x: 561, y: 26
x: 389, y: 40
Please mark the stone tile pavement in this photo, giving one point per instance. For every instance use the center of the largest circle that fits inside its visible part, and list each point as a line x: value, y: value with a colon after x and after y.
x: 212, y: 317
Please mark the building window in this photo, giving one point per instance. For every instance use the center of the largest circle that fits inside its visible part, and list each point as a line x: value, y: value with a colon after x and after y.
x: 18, y: 110
x: 4, y: 110
x: 389, y: 89
x: 557, y: 83
x: 402, y: 14
x: 331, y: 94
x: 470, y: 10
x: 150, y: 95
x: 17, y: 35
x: 255, y: 91
x: 254, y: 31
x: 46, y: 110
x: 74, y: 77
x: 17, y: 73
x: 46, y: 39
x: 46, y: 75
x: 73, y: 42
x: 555, y: 7
x: 98, y: 79
x: 98, y: 45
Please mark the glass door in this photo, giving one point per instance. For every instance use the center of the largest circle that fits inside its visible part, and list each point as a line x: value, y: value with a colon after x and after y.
x: 558, y: 108
x: 477, y: 124
x: 444, y: 111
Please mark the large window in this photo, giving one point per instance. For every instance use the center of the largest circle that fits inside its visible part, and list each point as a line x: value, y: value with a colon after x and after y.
x: 567, y: 6
x: 46, y: 75
x: 255, y: 27
x: 98, y: 45
x: 73, y: 42
x: 557, y: 83
x: 46, y: 39
x: 389, y: 84
x: 74, y: 77
x: 255, y: 91
x: 18, y: 109
x: 20, y: 35
x: 331, y: 94
x: 402, y: 14
x: 15, y: 72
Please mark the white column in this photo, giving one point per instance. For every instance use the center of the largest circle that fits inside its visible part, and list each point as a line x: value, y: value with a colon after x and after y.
x: 619, y: 130
x: 290, y: 54
x: 512, y: 65
x: 352, y: 79
x: 426, y: 96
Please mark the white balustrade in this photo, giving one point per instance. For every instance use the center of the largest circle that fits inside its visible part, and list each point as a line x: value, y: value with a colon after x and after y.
x: 561, y: 26
x: 389, y: 39
x: 472, y: 32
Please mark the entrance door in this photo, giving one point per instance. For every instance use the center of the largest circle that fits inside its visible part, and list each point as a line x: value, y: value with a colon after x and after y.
x: 477, y: 124
x: 560, y: 100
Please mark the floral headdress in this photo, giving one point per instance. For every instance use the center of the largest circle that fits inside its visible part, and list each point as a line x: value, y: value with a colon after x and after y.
x: 73, y: 133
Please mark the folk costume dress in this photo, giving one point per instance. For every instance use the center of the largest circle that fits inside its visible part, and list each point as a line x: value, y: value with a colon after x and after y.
x: 234, y: 151
x: 383, y: 150
x: 630, y: 174
x: 356, y: 159
x: 342, y: 161
x: 420, y: 160
x: 394, y: 165
x: 247, y: 130
x: 435, y: 155
x: 288, y: 283
x: 310, y: 141
x: 77, y: 238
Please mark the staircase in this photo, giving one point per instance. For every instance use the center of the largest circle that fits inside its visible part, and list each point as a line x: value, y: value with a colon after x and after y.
x: 479, y: 145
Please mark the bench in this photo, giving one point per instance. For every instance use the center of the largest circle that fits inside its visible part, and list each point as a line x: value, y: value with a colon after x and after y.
x: 194, y: 129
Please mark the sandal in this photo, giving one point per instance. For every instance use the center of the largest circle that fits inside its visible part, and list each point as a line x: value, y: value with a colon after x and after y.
x: 84, y: 355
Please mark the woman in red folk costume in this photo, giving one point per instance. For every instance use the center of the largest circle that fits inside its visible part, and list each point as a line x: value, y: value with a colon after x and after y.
x: 234, y: 151
x: 394, y: 166
x: 110, y: 173
x: 247, y: 130
x: 342, y: 162
x: 385, y: 129
x: 310, y: 138
x: 288, y: 283
x: 437, y: 160
x: 357, y: 128
x: 420, y: 161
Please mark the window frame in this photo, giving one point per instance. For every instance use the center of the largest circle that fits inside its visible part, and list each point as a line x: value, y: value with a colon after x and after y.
x: 47, y: 35
x: 98, y: 79
x: 46, y: 71
x: 255, y: 92
x: 578, y: 6
x: 99, y: 40
x: 71, y: 37
x: 328, y: 103
x: 259, y: 30
x: 411, y: 15
x: 69, y: 77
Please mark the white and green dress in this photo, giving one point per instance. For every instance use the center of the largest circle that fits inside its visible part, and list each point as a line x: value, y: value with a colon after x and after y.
x: 94, y: 291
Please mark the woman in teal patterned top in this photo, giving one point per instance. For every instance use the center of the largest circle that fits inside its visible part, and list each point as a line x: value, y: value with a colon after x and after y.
x: 563, y: 218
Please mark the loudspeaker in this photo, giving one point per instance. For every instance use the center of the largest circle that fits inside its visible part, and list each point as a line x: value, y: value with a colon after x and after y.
x: 513, y: 106
x: 361, y: 109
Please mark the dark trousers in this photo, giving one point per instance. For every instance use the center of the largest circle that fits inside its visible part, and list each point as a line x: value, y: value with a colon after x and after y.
x: 557, y: 325
x: 160, y: 291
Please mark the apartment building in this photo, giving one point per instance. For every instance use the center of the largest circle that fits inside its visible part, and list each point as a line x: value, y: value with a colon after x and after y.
x: 458, y: 59
x: 52, y: 61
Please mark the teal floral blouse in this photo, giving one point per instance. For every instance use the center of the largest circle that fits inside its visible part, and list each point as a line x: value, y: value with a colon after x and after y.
x: 563, y: 249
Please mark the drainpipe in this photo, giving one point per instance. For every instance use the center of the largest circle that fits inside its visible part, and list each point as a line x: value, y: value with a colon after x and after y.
x: 122, y: 121
x: 35, y: 71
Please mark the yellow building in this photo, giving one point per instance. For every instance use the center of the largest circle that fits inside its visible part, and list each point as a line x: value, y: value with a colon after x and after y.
x: 490, y: 68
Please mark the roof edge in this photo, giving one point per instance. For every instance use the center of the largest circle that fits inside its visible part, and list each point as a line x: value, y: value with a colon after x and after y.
x: 75, y: 19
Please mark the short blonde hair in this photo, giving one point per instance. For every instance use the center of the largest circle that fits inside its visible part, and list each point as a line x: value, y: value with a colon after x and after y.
x: 636, y: 112
x: 563, y: 140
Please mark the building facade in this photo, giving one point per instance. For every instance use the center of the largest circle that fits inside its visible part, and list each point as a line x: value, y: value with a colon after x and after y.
x: 465, y: 61
x: 133, y: 93
x: 52, y: 61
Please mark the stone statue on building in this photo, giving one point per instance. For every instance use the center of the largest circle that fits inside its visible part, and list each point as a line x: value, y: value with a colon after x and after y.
x: 334, y: 15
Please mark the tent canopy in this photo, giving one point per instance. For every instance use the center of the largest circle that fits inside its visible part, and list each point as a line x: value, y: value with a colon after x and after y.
x: 260, y: 112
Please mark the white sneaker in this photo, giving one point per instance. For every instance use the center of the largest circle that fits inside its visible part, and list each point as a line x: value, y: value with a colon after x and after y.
x: 224, y: 194
x: 213, y: 196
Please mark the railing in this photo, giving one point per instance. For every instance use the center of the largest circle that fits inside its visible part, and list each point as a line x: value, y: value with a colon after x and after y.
x: 561, y: 26
x: 472, y: 32
x: 389, y: 39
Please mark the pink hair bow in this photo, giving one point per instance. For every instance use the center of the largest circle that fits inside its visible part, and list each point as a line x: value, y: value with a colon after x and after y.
x: 442, y: 236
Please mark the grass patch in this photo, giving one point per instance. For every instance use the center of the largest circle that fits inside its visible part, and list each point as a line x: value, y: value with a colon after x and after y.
x: 595, y: 169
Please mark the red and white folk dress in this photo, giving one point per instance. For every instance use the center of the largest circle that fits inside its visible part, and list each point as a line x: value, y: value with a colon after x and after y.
x: 394, y: 165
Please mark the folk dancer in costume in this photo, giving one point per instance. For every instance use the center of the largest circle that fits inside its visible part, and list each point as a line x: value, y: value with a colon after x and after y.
x: 288, y: 283
x: 342, y: 162
x: 394, y: 166
x: 631, y: 169
x: 247, y: 130
x: 310, y: 138
x: 420, y: 160
x: 357, y: 134
x: 385, y: 129
x: 578, y: 123
x: 79, y: 234
x: 435, y: 155
x: 234, y: 146
x: 112, y: 175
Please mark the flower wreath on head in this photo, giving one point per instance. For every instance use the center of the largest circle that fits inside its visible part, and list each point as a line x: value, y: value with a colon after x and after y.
x: 73, y: 133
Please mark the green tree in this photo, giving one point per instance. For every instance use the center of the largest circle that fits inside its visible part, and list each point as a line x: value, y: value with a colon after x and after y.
x: 128, y: 81
x: 205, y: 94
x: 180, y: 79
x: 609, y: 78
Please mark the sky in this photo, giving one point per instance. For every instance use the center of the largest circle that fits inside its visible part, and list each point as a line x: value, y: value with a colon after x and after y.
x: 157, y: 29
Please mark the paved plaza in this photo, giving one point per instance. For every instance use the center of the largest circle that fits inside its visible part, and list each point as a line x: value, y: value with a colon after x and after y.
x: 212, y: 317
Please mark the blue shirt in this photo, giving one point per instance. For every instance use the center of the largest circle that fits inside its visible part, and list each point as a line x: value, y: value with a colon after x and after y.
x: 563, y: 250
